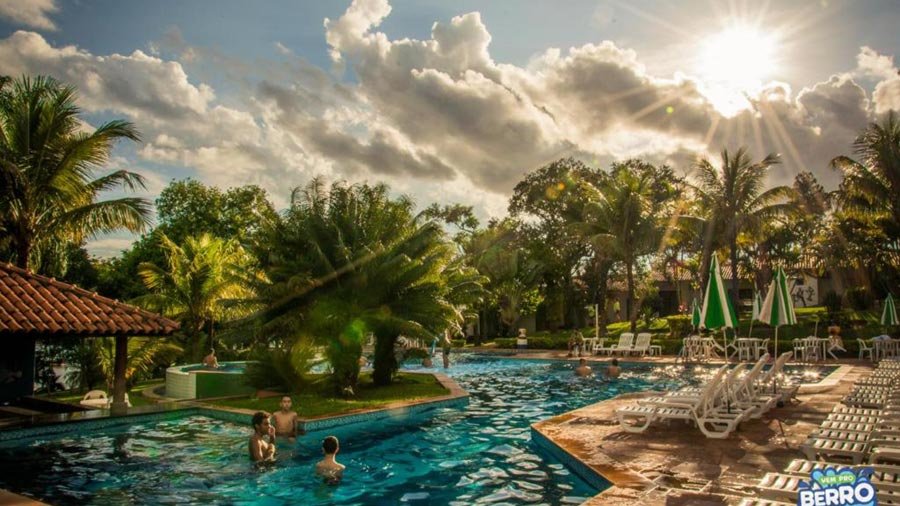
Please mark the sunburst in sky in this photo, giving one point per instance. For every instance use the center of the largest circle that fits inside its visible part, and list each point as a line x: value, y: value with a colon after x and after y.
x: 456, y: 101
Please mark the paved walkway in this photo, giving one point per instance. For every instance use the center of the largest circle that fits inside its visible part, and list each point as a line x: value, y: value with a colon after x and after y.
x: 674, y: 463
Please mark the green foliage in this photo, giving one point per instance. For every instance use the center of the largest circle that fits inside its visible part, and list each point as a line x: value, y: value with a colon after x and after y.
x: 832, y: 302
x: 199, y: 279
x: 679, y: 325
x: 94, y: 359
x: 859, y: 298
x: 349, y: 260
x: 279, y: 368
x: 318, y: 398
x: 48, y: 195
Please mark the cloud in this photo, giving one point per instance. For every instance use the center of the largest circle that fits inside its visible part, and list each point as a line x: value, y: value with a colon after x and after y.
x: 439, y: 118
x: 108, y: 247
x: 31, y: 13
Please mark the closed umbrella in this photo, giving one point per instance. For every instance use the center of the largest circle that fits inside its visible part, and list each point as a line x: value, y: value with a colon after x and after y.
x: 757, y: 304
x: 778, y: 307
x: 717, y: 312
x: 889, y: 315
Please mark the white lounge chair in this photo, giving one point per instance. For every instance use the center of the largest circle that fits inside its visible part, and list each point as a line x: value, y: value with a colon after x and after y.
x: 624, y: 344
x: 642, y: 344
x: 863, y: 350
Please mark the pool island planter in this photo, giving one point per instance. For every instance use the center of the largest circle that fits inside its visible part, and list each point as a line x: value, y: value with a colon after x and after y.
x: 49, y: 425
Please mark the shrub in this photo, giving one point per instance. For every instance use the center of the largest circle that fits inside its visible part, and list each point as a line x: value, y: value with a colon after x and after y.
x: 505, y: 342
x: 279, y: 368
x: 458, y: 343
x: 859, y: 298
x: 679, y: 325
x: 832, y: 302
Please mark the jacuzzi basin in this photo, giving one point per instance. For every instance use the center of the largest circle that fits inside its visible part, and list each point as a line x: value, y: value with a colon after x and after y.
x: 196, y: 381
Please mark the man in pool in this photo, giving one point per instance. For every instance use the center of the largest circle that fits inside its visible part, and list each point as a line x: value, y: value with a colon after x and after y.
x: 210, y: 360
x: 583, y: 369
x: 286, y: 420
x: 613, y: 370
x: 262, y: 451
x: 329, y: 468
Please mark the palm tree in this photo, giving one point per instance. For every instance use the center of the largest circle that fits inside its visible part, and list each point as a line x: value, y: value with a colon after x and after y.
x: 47, y: 159
x: 871, y: 184
x: 95, y: 359
x: 350, y: 260
x: 620, y: 218
x: 733, y: 201
x: 195, y: 287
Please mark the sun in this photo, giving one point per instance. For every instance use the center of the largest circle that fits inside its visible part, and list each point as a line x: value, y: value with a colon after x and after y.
x: 733, y: 63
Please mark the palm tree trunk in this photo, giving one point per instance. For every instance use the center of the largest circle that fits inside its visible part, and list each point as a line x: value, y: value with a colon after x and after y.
x: 629, y: 303
x: 735, y: 281
x: 23, y: 251
x: 601, y: 295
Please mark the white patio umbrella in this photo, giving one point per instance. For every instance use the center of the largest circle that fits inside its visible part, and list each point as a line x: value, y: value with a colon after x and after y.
x: 889, y: 315
x: 778, y: 307
x: 717, y: 311
x: 757, y: 305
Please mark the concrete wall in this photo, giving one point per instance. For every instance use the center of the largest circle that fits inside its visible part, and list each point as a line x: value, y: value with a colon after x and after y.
x: 16, y: 367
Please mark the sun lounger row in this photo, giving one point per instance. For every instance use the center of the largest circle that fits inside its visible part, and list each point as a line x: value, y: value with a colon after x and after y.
x: 717, y: 408
x: 865, y: 429
x: 627, y: 345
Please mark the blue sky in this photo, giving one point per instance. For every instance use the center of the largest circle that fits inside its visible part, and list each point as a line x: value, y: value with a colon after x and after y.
x: 455, y: 101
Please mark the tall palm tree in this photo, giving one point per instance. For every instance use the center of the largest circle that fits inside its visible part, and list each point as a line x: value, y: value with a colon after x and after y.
x: 201, y: 277
x: 47, y: 159
x: 871, y: 183
x: 733, y: 200
x: 620, y: 218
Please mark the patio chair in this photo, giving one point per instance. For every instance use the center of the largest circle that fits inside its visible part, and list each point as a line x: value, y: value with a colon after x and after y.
x: 762, y: 349
x: 670, y: 409
x: 95, y: 399
x: 863, y: 349
x: 642, y: 343
x: 624, y: 344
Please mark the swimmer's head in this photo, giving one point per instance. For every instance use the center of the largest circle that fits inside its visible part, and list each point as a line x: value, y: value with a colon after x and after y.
x: 615, y: 362
x: 286, y: 402
x: 330, y: 445
x: 582, y: 361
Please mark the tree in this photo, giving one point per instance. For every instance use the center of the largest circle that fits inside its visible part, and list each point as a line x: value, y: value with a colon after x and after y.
x: 347, y: 261
x: 47, y: 191
x: 94, y: 360
x: 869, y: 194
x: 732, y: 200
x: 543, y: 201
x: 622, y: 218
x: 199, y: 279
x: 512, y: 276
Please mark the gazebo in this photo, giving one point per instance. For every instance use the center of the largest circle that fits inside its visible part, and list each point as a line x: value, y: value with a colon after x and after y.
x: 36, y: 307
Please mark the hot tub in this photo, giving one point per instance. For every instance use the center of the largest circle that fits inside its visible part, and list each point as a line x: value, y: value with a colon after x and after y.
x: 196, y: 381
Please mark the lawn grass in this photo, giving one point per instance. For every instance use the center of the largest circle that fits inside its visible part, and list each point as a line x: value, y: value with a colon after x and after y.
x: 317, y: 397
x: 135, y: 394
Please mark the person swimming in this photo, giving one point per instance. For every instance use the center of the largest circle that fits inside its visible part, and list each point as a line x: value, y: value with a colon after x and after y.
x: 286, y: 420
x: 583, y: 369
x: 262, y: 451
x: 613, y: 370
x: 329, y: 468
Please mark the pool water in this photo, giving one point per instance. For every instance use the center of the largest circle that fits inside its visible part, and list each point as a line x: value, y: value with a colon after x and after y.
x: 478, y: 454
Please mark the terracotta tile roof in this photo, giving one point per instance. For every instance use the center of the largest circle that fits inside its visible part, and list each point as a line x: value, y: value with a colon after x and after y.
x: 31, y: 304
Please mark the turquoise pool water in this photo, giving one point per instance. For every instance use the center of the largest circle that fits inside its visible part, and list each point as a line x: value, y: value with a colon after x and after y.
x: 479, y: 454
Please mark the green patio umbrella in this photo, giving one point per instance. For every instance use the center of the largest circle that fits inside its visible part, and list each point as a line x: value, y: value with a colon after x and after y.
x: 717, y: 312
x: 889, y: 315
x: 695, y: 314
x: 778, y: 308
x: 757, y: 304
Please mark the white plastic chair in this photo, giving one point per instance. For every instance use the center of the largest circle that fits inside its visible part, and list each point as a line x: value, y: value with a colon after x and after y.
x: 863, y: 349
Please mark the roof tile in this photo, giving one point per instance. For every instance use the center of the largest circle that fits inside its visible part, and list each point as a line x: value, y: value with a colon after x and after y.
x: 38, y: 305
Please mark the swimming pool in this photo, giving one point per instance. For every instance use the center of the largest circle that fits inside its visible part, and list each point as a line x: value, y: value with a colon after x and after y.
x: 481, y: 453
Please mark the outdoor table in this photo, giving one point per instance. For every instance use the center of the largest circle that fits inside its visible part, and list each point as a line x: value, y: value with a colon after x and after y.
x: 822, y: 342
x: 885, y: 348
x: 751, y: 344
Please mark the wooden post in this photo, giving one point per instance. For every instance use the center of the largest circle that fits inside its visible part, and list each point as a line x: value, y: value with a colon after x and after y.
x: 118, y: 403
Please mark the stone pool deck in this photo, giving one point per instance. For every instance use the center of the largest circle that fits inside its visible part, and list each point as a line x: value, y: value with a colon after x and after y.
x: 673, y: 463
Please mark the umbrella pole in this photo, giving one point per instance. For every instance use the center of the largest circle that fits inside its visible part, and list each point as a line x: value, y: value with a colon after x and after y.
x: 750, y: 332
x: 776, y: 342
x: 816, y: 329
